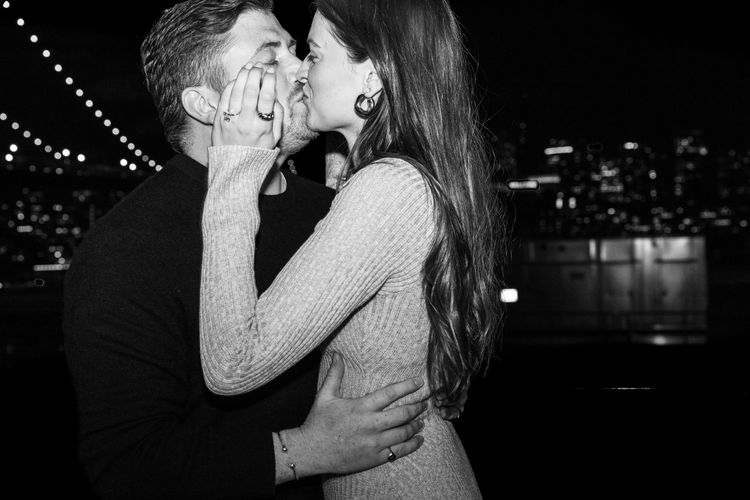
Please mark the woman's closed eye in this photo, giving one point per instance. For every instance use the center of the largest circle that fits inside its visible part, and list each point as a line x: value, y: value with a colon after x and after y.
x: 311, y: 58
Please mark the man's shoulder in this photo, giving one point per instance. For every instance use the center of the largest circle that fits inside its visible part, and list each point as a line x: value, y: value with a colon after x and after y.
x: 158, y: 209
x: 311, y: 190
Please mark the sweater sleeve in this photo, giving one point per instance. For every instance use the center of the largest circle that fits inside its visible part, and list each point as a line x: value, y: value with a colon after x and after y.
x: 375, y: 236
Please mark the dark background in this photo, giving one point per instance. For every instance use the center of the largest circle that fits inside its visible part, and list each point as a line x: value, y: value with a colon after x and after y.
x: 555, y: 415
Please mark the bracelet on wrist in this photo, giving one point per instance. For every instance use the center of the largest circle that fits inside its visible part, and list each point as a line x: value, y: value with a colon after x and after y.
x: 285, y: 450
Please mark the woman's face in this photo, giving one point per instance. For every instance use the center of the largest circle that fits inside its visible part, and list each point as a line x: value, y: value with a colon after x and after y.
x: 333, y: 82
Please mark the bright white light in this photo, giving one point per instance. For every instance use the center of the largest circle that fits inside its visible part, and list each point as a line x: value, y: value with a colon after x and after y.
x: 546, y: 179
x: 158, y: 168
x: 79, y: 93
x: 523, y: 185
x: 66, y: 152
x: 123, y: 139
x: 145, y: 158
x: 13, y: 148
x: 6, y: 5
x: 20, y: 21
x: 152, y: 163
x: 3, y: 117
x: 37, y: 142
x: 46, y: 53
x: 59, y: 171
x: 115, y: 131
x: 107, y: 123
x: 659, y: 340
x: 69, y: 81
x: 98, y: 113
x: 509, y: 295
x: 124, y: 162
x: 81, y: 158
x: 131, y: 146
x: 34, y: 38
x: 631, y: 145
x: 15, y: 126
x: 138, y: 152
x: 26, y: 134
x: 58, y: 156
x: 9, y: 157
x: 58, y: 68
x: 89, y: 103
x: 559, y: 203
x: 48, y: 149
x: 132, y: 166
x: 558, y: 151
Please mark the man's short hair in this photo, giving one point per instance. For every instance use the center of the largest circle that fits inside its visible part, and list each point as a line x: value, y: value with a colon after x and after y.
x: 184, y: 49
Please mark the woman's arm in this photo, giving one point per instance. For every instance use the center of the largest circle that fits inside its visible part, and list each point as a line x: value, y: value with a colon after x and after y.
x: 378, y: 231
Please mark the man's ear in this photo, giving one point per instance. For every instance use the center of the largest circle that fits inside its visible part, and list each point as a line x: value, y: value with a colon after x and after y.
x: 200, y: 103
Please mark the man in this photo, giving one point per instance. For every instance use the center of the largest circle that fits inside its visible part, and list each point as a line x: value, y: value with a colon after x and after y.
x: 149, y: 428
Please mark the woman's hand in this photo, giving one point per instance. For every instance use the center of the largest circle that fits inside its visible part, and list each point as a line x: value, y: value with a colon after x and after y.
x: 248, y: 113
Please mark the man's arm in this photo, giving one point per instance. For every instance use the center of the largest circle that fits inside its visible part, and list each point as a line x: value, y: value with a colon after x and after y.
x: 126, y: 349
x: 128, y: 355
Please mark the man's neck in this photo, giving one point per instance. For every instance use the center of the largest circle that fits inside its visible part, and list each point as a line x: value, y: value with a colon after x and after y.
x: 274, y: 183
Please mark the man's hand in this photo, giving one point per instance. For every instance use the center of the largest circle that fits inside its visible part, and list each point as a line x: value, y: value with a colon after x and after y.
x: 349, y: 435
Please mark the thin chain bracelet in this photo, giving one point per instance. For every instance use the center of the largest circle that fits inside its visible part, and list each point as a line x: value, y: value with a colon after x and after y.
x: 285, y: 450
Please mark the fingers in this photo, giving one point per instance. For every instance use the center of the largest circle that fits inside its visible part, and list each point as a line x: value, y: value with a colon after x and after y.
x: 400, y: 415
x: 278, y: 122
x: 331, y: 387
x: 238, y: 91
x: 223, y: 103
x: 267, y: 97
x: 252, y: 91
x: 400, y: 434
x: 380, y: 399
x: 403, y: 449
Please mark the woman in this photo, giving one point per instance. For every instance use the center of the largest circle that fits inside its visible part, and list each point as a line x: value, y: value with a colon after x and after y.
x: 403, y: 268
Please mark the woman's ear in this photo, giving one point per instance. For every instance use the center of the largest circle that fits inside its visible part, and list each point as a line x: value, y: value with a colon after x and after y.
x: 200, y: 103
x: 373, y: 84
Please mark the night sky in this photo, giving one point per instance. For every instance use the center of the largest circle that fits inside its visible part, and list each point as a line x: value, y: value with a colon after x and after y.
x: 583, y: 71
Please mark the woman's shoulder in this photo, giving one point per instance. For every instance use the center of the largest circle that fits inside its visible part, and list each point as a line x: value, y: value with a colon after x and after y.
x: 390, y: 173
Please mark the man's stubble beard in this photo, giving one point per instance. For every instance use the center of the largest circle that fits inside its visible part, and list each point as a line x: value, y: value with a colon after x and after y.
x: 296, y: 133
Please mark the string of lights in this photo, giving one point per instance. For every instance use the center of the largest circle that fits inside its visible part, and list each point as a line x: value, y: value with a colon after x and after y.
x: 38, y: 142
x: 89, y: 104
x: 47, y: 148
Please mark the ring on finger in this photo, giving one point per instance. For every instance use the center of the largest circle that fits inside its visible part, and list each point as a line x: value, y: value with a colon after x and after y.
x: 391, y: 456
x: 266, y: 117
x: 228, y: 116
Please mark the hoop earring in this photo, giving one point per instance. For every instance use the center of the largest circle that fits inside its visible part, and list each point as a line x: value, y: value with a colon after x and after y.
x: 364, y: 106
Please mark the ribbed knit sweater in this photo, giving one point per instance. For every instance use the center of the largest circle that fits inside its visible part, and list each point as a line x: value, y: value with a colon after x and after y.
x: 359, y: 275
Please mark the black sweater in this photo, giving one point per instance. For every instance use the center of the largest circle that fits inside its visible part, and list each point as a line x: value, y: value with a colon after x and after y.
x: 149, y: 428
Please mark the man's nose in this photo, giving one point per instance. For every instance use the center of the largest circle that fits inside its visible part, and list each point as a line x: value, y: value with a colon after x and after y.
x: 302, y: 73
x: 293, y: 70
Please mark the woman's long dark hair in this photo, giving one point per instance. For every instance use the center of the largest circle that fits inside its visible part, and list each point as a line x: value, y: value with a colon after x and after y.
x: 428, y: 113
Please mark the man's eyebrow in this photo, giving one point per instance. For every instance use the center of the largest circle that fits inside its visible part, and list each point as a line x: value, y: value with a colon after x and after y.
x: 274, y: 44
x: 269, y: 45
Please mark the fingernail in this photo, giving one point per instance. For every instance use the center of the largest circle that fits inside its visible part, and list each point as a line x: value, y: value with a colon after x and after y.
x: 271, y: 70
x: 418, y: 381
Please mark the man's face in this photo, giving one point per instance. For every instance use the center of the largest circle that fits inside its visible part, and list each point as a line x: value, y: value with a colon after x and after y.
x: 258, y: 37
